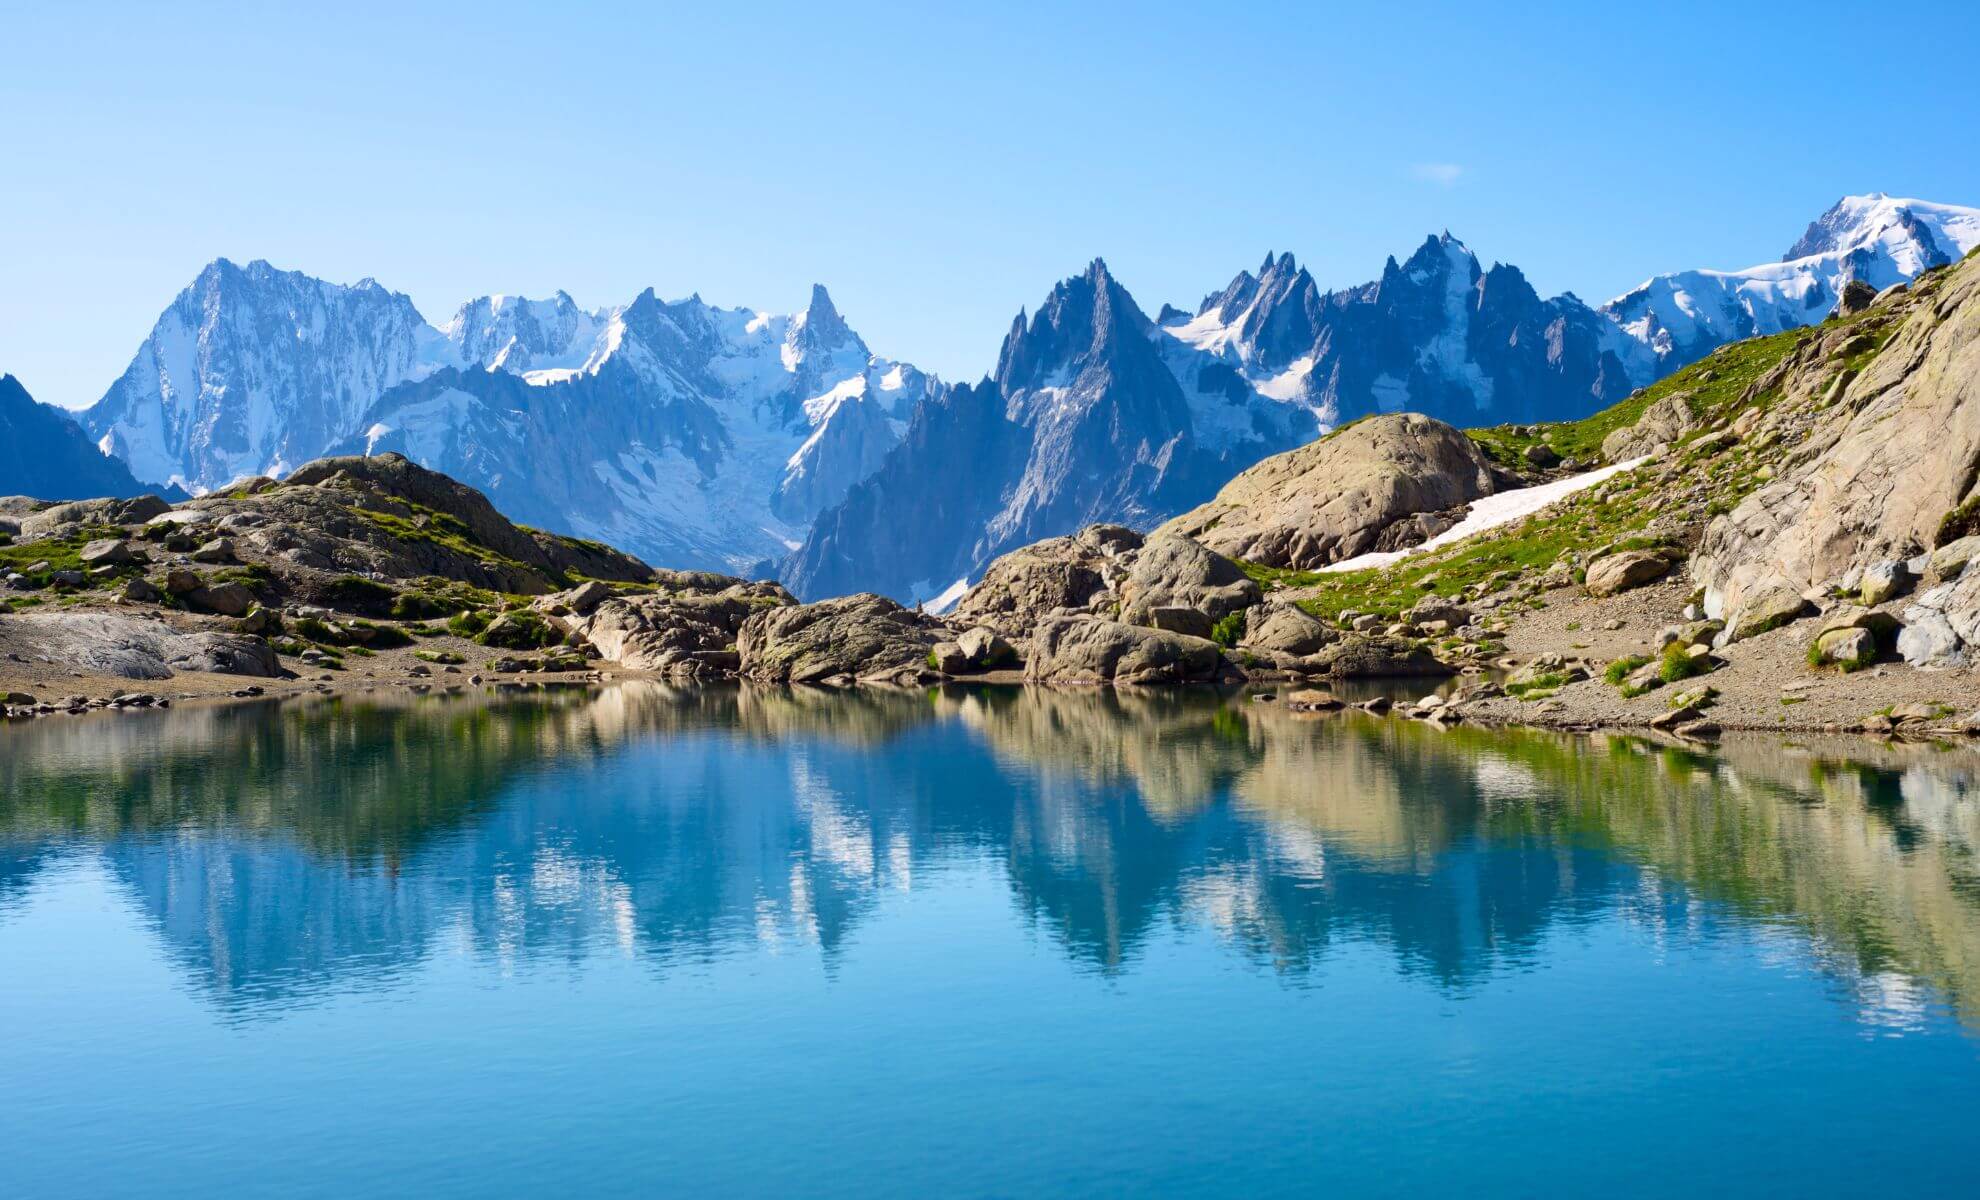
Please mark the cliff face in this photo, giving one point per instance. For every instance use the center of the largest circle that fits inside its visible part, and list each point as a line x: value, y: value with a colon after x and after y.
x: 1888, y: 470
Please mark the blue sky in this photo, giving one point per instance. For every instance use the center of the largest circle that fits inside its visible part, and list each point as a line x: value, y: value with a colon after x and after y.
x: 938, y: 170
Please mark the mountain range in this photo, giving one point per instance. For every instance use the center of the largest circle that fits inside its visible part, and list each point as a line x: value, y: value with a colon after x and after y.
x: 733, y: 439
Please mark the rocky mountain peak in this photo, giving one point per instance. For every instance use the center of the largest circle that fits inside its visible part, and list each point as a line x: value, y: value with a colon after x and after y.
x: 819, y: 330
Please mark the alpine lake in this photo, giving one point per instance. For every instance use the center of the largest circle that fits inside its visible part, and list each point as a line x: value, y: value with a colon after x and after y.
x: 732, y: 941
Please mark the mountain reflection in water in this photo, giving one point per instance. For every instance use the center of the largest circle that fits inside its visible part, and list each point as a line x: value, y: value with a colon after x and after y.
x: 286, y: 850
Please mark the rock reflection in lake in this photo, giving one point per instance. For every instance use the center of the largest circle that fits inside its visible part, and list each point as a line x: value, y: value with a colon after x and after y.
x: 284, y: 850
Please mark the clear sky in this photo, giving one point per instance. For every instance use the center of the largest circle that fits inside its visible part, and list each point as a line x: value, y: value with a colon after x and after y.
x: 937, y: 166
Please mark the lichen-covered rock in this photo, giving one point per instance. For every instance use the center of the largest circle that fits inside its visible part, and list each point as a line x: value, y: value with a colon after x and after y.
x: 1849, y: 648
x: 1093, y: 650
x: 1624, y: 570
x: 1335, y: 498
x: 1768, y: 610
x: 861, y: 637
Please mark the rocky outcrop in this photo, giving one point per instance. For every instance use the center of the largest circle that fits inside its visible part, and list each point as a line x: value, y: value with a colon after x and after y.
x: 1889, y: 469
x: 1173, y: 571
x: 1373, y: 656
x: 689, y: 626
x: 1086, y: 650
x: 1613, y: 573
x: 132, y: 647
x: 1343, y: 495
x: 852, y: 638
x: 1661, y: 425
x: 1278, y: 628
x: 1058, y: 574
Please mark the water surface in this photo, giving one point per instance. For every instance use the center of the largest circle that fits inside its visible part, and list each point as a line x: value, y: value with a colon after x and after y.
x: 750, y: 942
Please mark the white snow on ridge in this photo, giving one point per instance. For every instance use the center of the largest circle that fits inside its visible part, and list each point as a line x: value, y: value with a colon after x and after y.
x: 1502, y: 508
x: 1878, y: 239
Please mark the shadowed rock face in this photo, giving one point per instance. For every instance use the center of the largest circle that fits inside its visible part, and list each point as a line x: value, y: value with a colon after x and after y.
x: 46, y: 455
x: 1884, y: 470
x: 1339, y: 496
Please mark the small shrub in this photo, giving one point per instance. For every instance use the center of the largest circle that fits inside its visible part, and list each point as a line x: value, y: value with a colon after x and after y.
x: 1227, y: 631
x: 359, y: 592
x: 319, y: 631
x: 418, y: 606
x: 469, y: 623
x: 521, y: 630
x: 1619, y: 670
x: 1676, y: 664
x: 384, y: 637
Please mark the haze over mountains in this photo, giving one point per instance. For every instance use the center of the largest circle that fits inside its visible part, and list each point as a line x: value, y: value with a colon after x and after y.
x: 738, y: 440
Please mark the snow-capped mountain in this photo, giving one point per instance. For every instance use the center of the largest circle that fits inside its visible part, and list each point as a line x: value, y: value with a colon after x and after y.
x: 1082, y: 421
x: 692, y: 435
x: 695, y: 435
x: 45, y: 454
x: 1437, y: 334
x: 1882, y: 240
x: 253, y: 371
x: 1096, y: 413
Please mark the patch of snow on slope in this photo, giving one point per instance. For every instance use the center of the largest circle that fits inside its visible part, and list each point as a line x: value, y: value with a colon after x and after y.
x: 945, y: 600
x: 1492, y: 512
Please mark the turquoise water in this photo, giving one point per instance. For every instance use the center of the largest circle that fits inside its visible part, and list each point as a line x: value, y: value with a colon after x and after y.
x: 672, y: 942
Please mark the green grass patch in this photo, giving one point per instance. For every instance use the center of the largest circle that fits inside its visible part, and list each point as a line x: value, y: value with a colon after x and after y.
x: 1228, y: 630
x: 1676, y: 664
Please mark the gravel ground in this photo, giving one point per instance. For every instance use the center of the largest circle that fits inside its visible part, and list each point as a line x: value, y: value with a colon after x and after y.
x: 1766, y: 684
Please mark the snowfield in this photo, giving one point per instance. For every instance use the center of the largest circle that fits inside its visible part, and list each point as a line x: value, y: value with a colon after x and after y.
x: 1492, y: 512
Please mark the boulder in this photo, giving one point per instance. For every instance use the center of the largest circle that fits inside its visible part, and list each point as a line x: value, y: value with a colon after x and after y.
x: 1337, y: 497
x: 109, y: 552
x: 948, y: 658
x: 139, y: 589
x: 1770, y: 609
x: 1173, y: 571
x: 219, y: 550
x: 986, y: 649
x: 1279, y: 627
x: 227, y: 599
x: 1541, y: 456
x: 1624, y: 570
x: 1884, y: 580
x: 1949, y: 560
x: 1024, y: 586
x: 1094, y: 650
x: 1436, y: 608
x: 1193, y: 622
x: 1928, y: 640
x: 860, y: 637
x: 687, y: 629
x: 1661, y: 424
x: 1373, y: 656
x: 1856, y: 297
x: 1849, y: 649
x: 179, y: 581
